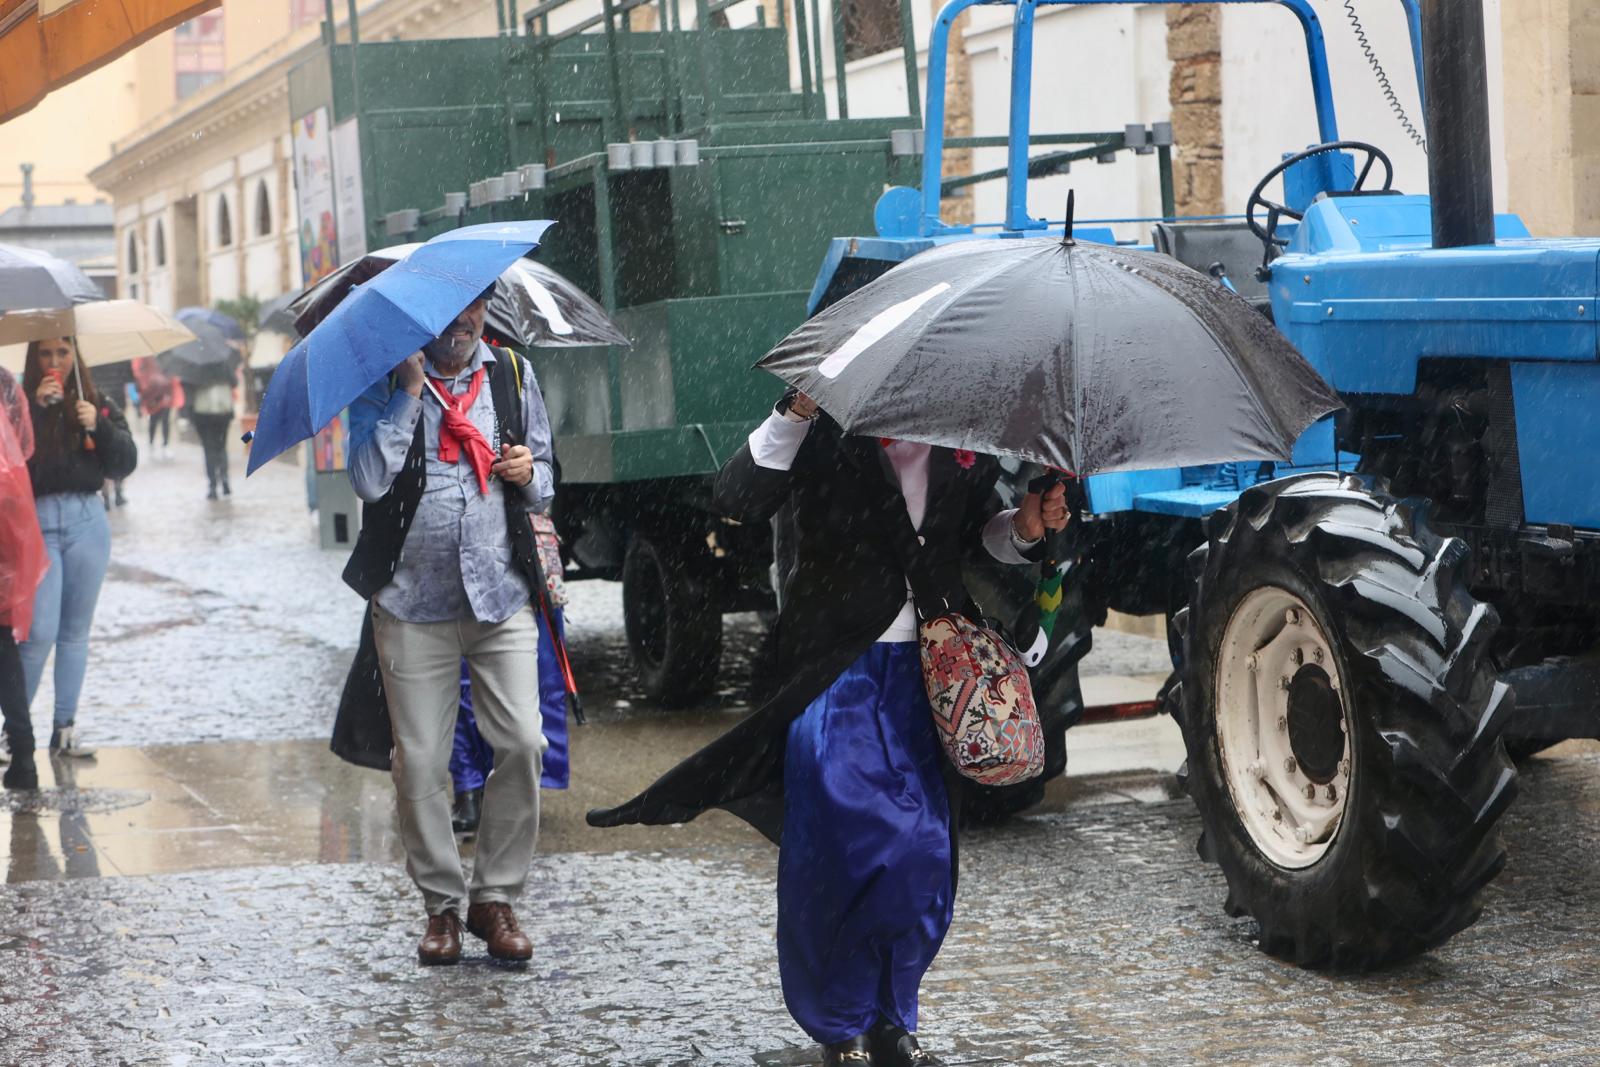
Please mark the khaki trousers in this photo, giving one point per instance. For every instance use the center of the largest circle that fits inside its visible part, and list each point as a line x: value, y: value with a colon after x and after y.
x: 421, y: 664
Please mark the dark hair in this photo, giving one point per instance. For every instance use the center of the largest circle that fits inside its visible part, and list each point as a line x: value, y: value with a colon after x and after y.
x: 487, y: 295
x: 55, y: 427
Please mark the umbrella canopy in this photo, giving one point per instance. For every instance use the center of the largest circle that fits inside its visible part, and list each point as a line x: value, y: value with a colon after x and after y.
x: 227, y: 325
x: 33, y: 279
x: 44, y: 44
x: 1086, y: 357
x: 533, y: 306
x: 207, y: 360
x: 276, y: 316
x: 381, y: 323
x: 106, y: 331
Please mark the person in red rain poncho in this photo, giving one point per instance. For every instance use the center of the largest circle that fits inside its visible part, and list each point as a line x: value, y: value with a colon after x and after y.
x: 22, y: 566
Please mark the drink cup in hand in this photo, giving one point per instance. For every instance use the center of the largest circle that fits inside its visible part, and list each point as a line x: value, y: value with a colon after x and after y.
x: 48, y: 397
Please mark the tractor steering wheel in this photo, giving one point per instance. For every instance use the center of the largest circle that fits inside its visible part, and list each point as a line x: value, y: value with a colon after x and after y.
x: 1275, y: 211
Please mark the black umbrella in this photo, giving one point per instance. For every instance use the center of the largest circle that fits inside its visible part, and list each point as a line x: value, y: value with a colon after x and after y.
x: 276, y: 316
x: 533, y: 306
x: 207, y: 360
x: 1086, y: 357
x: 33, y: 279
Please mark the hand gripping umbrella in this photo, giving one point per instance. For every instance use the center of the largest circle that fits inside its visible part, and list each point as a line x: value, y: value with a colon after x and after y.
x: 381, y: 323
x: 1084, y: 357
x: 533, y: 306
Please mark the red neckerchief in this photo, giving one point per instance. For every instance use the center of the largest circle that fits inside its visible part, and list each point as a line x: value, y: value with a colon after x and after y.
x: 456, y: 432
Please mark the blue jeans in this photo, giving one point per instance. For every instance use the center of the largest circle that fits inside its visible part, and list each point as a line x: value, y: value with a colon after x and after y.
x: 77, y: 538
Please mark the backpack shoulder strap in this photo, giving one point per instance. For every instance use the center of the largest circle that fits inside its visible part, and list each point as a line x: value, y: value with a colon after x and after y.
x: 505, y: 387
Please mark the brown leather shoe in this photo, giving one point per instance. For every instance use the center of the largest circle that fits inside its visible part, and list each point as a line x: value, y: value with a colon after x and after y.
x: 493, y: 922
x: 442, y: 942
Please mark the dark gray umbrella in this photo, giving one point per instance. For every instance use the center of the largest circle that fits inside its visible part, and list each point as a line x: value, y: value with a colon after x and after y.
x: 1087, y: 357
x: 33, y: 279
x: 207, y: 360
x: 533, y: 306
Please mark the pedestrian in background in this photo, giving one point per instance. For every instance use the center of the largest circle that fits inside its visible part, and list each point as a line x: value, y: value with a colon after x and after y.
x: 843, y: 765
x: 22, y: 566
x: 444, y: 554
x: 211, y: 410
x: 471, y: 759
x: 156, y: 397
x: 80, y: 440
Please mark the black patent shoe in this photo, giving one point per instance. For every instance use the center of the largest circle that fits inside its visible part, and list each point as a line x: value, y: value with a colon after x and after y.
x: 895, y: 1046
x: 464, y: 819
x: 855, y: 1052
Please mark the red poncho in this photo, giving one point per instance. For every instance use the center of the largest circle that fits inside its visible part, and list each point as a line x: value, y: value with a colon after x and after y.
x: 22, y: 556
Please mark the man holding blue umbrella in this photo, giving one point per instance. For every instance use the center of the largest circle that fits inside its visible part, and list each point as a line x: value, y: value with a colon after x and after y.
x: 456, y: 592
x: 450, y: 449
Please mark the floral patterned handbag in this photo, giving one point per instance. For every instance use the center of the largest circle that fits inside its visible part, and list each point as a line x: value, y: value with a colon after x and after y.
x: 982, y: 701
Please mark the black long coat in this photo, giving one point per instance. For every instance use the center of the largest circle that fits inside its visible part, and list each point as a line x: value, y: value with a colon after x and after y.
x: 853, y: 547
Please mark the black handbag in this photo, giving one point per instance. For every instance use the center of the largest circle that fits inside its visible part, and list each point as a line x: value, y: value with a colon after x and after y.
x: 361, y: 731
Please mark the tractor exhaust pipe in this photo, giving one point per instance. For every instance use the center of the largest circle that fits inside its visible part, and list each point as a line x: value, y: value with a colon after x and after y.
x: 1457, y: 89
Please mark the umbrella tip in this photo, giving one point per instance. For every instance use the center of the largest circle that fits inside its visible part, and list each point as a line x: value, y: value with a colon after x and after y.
x: 1066, y: 233
x: 247, y: 436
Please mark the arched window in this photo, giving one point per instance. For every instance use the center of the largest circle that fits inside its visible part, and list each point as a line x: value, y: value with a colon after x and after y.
x: 224, y: 222
x: 263, y: 210
x: 160, y: 243
x: 133, y: 252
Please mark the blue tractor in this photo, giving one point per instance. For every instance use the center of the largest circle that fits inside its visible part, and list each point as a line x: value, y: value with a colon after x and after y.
x: 1365, y: 637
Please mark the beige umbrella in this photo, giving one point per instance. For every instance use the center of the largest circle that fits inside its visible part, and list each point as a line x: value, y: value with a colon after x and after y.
x: 107, y: 331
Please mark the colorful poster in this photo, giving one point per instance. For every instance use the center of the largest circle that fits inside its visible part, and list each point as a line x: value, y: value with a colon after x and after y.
x: 313, y: 190
x: 347, y: 190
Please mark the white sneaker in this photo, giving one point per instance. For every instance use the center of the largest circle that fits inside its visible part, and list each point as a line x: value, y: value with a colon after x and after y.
x: 64, y: 742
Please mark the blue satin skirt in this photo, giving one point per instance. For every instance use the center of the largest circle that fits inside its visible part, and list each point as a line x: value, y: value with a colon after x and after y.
x: 865, y: 887
x: 471, y: 758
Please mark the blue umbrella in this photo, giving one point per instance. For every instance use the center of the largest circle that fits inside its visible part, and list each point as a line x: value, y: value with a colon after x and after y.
x: 226, y: 325
x: 379, y: 325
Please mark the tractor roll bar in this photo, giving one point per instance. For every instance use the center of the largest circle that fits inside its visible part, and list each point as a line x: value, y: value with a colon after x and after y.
x: 1021, y: 94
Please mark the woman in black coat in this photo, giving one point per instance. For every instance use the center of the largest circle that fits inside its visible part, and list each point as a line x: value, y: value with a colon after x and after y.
x: 842, y: 765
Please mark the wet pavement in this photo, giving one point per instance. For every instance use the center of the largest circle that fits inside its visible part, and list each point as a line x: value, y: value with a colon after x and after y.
x: 217, y: 888
x: 1091, y: 936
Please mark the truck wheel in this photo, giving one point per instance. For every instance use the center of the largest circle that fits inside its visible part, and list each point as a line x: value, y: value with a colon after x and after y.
x: 674, y: 629
x: 1060, y: 702
x: 1341, y: 720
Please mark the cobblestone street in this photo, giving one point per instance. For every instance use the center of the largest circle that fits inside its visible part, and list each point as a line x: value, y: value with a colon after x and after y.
x: 217, y: 888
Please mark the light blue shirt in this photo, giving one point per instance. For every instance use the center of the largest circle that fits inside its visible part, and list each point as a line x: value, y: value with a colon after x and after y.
x: 456, y: 563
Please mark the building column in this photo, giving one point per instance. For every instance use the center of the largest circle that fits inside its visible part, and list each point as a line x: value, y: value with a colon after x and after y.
x: 957, y: 208
x: 1553, y: 115
x: 1194, y: 45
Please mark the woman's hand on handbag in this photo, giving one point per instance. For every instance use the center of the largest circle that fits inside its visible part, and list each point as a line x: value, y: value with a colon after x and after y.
x: 1037, y: 514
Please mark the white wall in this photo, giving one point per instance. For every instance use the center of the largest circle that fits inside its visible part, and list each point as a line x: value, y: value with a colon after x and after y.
x: 1267, y: 101
x: 1100, y: 67
x: 1094, y: 69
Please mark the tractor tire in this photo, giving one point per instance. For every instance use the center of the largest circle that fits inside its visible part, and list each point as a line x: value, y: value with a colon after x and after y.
x: 1060, y: 702
x: 674, y: 628
x: 1342, y: 723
